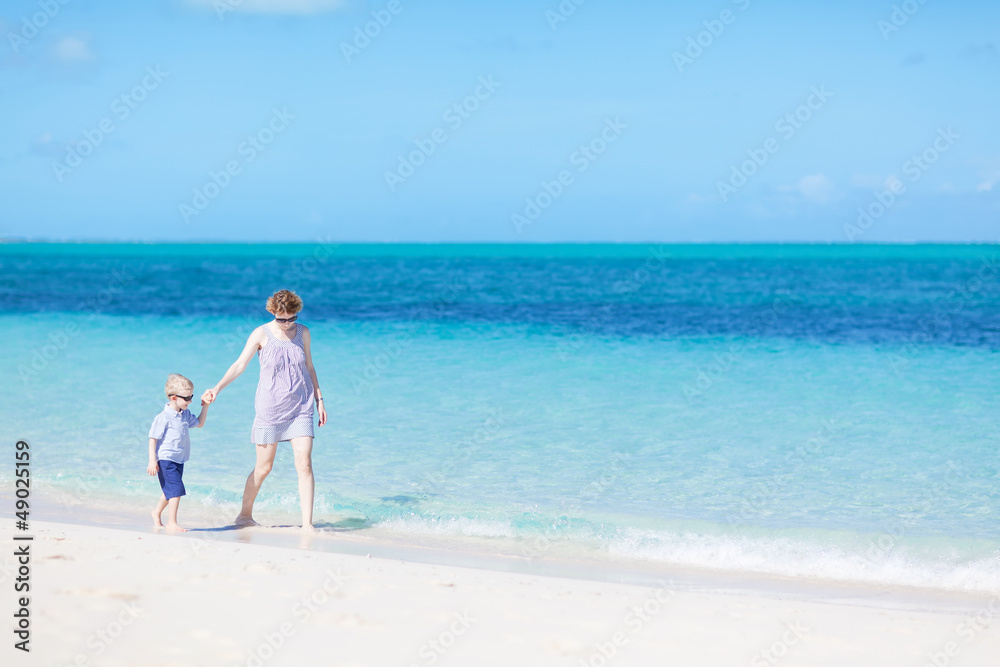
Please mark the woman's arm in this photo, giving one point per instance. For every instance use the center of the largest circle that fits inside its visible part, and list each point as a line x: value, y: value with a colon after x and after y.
x: 318, y: 395
x: 240, y: 365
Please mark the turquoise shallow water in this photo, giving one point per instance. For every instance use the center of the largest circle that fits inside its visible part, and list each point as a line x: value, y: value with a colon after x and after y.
x: 813, y: 411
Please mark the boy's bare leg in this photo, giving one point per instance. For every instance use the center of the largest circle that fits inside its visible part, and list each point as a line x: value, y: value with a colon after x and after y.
x: 161, y: 505
x: 265, y: 459
x: 172, y: 514
x: 302, y: 449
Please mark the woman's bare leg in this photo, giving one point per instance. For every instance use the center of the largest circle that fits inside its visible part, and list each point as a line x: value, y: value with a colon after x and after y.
x: 265, y: 459
x: 302, y: 448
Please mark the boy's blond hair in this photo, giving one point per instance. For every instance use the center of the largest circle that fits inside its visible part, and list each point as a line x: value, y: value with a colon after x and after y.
x: 178, y: 384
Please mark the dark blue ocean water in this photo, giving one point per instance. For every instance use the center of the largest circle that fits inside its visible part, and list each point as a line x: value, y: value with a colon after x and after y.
x: 949, y: 294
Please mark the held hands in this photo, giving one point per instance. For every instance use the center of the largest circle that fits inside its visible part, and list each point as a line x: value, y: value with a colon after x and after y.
x: 209, y: 396
x: 153, y: 467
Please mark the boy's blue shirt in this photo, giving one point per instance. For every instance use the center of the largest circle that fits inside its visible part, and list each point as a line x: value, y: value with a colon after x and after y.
x: 170, y: 428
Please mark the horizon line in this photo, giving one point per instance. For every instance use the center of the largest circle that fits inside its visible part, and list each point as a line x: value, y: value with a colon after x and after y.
x: 25, y: 240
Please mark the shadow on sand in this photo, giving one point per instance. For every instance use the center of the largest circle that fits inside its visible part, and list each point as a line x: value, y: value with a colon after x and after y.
x: 344, y: 525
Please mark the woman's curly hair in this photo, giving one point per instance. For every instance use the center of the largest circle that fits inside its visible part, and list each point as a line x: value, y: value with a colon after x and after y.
x: 284, y: 301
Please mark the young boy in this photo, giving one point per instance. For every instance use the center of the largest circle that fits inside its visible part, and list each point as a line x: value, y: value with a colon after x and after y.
x: 170, y: 446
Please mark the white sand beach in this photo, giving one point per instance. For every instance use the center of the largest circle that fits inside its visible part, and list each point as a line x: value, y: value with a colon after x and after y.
x: 108, y: 596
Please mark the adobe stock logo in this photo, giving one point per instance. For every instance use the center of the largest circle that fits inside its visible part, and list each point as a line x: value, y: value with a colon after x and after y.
x: 914, y: 168
x: 582, y: 158
x: 218, y: 181
x: 363, y: 35
x: 31, y: 25
x: 455, y: 115
x: 899, y: 17
x: 788, y: 125
x: 699, y: 43
x: 122, y: 107
x: 562, y: 13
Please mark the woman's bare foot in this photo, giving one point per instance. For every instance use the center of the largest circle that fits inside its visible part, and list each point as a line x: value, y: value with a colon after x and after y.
x: 243, y: 520
x: 309, y: 529
x: 175, y: 527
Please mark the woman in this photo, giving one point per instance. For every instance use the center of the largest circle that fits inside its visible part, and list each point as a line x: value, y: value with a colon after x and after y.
x: 287, y: 389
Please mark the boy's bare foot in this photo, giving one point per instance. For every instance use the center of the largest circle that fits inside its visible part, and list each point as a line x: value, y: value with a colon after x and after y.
x: 176, y: 527
x: 243, y: 520
x: 156, y: 519
x: 309, y: 529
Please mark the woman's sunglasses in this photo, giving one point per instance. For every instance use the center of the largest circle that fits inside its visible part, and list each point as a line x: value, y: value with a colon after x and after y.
x: 286, y: 319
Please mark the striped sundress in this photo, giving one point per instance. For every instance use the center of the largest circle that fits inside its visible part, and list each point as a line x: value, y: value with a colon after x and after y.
x: 284, y: 401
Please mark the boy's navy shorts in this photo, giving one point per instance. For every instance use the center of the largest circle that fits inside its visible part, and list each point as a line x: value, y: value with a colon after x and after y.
x: 169, y: 474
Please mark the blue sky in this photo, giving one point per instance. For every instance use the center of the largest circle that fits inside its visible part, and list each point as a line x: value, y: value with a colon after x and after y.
x: 607, y: 123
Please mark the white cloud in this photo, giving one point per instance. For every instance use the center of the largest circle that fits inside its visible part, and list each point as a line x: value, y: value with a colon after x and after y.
x: 991, y: 180
x: 988, y: 173
x: 294, y: 7
x: 44, y: 144
x: 816, y: 187
x: 73, y: 50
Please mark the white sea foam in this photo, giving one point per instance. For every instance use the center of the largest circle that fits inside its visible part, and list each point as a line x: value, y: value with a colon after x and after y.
x: 861, y: 560
x: 449, y: 526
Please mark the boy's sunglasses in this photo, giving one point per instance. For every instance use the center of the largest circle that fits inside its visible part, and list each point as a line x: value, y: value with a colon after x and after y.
x: 184, y: 398
x: 286, y: 319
